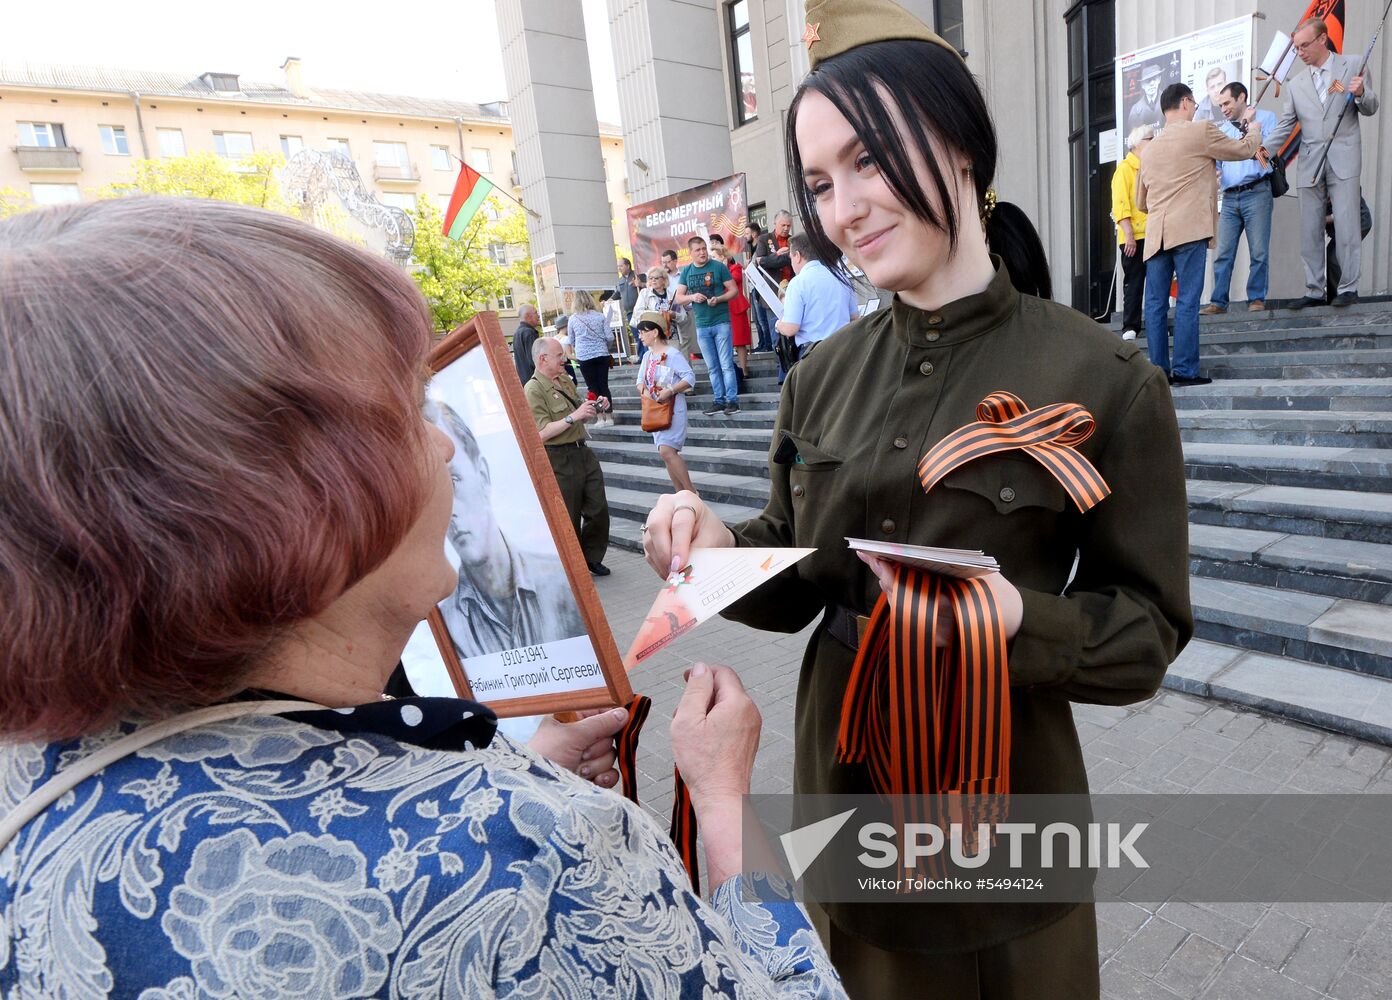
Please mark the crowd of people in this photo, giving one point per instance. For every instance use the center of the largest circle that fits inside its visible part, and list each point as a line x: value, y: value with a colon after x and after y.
x: 1166, y: 196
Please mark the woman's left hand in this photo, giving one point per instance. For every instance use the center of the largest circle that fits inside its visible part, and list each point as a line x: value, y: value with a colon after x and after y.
x: 585, y: 746
x: 1007, y: 599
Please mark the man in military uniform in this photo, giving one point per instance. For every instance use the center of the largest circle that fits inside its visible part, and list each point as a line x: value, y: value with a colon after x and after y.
x: 505, y: 598
x: 561, y: 417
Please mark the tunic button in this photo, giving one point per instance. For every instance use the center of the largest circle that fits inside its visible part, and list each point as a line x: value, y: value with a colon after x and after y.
x: 1007, y: 495
x: 926, y: 368
x: 887, y: 526
x: 935, y: 320
x: 933, y: 335
x: 798, y: 490
x: 901, y: 442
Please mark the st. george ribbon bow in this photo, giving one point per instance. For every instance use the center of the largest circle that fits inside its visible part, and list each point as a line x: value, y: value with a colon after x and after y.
x: 928, y: 720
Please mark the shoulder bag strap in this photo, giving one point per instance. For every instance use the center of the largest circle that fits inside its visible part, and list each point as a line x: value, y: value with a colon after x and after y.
x: 69, y: 778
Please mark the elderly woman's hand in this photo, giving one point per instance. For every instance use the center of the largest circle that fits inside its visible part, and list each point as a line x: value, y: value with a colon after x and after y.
x: 585, y: 746
x: 715, y: 735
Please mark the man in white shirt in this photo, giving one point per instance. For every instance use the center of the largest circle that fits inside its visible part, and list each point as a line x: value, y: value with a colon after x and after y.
x: 817, y: 303
x: 1315, y: 97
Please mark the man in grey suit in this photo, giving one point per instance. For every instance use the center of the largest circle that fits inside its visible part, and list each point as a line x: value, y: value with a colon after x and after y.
x: 1315, y: 96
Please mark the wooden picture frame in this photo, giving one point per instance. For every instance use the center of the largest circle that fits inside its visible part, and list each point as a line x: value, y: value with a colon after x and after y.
x: 479, y: 345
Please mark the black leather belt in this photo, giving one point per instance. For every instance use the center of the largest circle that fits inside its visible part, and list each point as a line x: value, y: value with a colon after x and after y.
x: 569, y: 444
x: 846, y: 626
x: 1248, y: 186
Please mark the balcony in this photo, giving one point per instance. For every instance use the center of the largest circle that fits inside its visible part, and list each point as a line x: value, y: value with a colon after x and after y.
x: 395, y: 173
x: 49, y: 159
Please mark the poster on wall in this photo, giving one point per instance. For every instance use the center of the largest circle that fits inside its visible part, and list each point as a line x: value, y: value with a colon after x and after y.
x: 667, y: 223
x: 1206, y: 60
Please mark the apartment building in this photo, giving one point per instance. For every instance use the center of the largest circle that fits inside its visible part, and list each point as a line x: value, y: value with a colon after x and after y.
x: 76, y: 129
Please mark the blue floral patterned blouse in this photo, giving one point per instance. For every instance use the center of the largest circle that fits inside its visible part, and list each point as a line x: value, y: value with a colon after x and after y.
x: 326, y: 854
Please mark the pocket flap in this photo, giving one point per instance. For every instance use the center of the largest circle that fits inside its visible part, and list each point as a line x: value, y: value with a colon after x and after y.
x: 1010, y: 481
x: 794, y: 450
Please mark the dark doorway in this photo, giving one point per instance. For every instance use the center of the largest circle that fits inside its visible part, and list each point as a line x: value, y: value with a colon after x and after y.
x: 1091, y: 111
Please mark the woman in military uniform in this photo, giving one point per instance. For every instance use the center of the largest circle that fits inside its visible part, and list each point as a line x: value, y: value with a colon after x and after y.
x: 895, y: 152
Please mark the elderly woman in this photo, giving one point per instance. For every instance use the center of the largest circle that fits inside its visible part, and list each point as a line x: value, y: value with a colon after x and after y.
x: 219, y: 493
x: 1130, y: 224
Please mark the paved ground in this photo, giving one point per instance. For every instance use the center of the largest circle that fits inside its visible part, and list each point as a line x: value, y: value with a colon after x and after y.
x: 1173, y: 743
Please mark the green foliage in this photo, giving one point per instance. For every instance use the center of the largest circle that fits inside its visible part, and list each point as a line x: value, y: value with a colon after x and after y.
x: 13, y: 202
x: 458, y: 277
x: 250, y: 180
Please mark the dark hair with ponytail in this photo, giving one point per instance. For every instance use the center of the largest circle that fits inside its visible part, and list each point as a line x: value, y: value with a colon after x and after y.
x: 935, y: 94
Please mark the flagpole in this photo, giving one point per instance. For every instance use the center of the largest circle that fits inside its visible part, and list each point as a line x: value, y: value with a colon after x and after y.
x: 498, y: 190
x: 1349, y: 98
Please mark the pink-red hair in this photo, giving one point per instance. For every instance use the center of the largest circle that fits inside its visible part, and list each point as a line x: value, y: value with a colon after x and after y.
x: 209, y: 428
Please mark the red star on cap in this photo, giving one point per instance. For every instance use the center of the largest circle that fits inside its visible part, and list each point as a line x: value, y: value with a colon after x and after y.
x: 810, y: 35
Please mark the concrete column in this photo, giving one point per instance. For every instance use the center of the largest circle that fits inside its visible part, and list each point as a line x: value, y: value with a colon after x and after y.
x: 556, y: 131
x: 673, y: 94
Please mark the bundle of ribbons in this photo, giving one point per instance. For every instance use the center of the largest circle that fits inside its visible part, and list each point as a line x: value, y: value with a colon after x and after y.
x: 931, y: 721
x: 683, y: 814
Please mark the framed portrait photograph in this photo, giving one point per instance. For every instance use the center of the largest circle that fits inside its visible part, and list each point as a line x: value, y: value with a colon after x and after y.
x: 524, y: 631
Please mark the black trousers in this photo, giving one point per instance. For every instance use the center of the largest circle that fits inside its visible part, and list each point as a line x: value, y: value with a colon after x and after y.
x: 596, y: 372
x: 1133, y: 287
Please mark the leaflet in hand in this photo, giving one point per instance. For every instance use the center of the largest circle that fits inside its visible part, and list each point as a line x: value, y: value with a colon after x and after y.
x: 965, y: 564
x: 712, y: 580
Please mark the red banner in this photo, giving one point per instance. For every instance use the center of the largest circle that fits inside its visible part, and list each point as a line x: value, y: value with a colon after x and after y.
x: 1332, y: 11
x: 667, y: 223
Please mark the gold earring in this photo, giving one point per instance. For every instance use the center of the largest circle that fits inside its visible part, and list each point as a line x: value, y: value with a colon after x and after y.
x: 988, y: 205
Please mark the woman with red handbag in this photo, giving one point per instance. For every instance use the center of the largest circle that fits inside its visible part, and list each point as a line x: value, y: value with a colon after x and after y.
x: 664, y: 375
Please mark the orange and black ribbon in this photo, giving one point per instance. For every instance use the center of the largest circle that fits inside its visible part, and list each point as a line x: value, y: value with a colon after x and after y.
x: 683, y: 814
x: 1049, y: 434
x: 927, y: 721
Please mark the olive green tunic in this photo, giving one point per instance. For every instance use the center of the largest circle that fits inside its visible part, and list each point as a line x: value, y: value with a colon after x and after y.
x: 855, y: 418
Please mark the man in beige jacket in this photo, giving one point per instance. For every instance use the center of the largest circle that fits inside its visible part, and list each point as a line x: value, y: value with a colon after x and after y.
x: 1178, y: 187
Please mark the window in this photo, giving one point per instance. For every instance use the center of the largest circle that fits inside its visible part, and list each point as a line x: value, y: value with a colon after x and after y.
x: 233, y: 144
x: 505, y: 302
x: 390, y: 154
x: 338, y: 146
x: 113, y: 140
x: 440, y: 158
x: 742, y: 62
x: 947, y: 15
x: 398, y: 199
x: 480, y: 160
x: 48, y: 134
x: 497, y: 253
x: 54, y: 194
x: 291, y: 144
x: 442, y: 202
x: 171, y: 141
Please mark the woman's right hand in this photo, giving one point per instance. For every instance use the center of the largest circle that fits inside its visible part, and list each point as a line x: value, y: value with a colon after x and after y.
x: 715, y: 736
x: 677, y: 524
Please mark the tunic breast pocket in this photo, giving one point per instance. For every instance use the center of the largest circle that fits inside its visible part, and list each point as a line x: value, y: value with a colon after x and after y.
x: 1010, y: 482
x: 810, y: 469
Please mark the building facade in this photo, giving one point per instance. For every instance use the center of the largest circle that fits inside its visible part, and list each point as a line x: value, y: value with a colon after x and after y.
x: 75, y: 130
x: 1047, y: 68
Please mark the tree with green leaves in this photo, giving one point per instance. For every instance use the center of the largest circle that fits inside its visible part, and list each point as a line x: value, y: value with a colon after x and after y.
x: 12, y: 202
x: 460, y: 277
x: 250, y: 180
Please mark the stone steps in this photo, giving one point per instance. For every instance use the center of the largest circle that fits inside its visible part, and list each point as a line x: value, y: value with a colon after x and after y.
x: 1289, y: 462
x: 1296, y: 510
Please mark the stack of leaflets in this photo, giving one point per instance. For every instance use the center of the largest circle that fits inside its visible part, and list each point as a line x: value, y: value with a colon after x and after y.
x: 965, y: 564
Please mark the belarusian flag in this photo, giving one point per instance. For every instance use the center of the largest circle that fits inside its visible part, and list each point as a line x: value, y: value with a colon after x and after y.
x: 470, y: 192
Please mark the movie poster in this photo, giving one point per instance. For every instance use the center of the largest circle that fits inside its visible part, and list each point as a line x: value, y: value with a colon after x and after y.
x: 1207, y: 61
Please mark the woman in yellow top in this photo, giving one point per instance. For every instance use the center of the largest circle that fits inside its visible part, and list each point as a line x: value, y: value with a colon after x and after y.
x: 1130, y: 223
